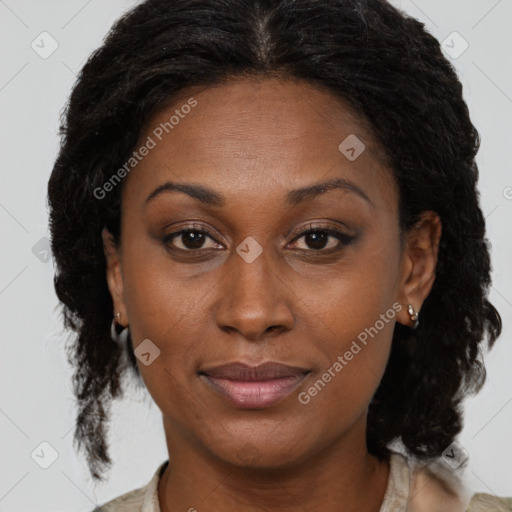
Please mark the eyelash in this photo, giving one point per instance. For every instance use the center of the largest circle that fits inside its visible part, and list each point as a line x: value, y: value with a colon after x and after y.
x: 343, y: 238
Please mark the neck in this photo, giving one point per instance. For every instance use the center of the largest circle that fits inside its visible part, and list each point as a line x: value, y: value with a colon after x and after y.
x: 343, y: 476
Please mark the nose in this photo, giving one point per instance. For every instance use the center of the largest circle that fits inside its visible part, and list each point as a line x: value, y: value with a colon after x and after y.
x: 254, y: 299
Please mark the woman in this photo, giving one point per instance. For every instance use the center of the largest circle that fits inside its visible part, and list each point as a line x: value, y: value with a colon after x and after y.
x: 276, y: 202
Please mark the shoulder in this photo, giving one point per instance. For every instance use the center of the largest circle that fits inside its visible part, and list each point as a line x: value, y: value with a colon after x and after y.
x: 488, y: 503
x: 130, y: 502
x: 434, y: 487
x: 437, y: 487
x: 142, y: 499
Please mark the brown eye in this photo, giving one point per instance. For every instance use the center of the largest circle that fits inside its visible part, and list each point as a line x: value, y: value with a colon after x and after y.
x: 190, y: 239
x: 318, y: 239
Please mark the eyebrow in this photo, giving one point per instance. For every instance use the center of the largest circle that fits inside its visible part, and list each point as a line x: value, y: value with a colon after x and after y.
x: 294, y: 197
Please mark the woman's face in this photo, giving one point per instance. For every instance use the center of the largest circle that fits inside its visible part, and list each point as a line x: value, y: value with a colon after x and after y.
x: 254, y: 288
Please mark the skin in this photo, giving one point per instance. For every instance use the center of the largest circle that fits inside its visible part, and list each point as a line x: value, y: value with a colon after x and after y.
x: 253, y: 141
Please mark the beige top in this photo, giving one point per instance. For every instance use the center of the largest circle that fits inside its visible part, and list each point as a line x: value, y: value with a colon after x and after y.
x: 410, y: 489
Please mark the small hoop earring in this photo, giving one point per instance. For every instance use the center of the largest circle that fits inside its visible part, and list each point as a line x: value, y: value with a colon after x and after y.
x: 413, y: 315
x: 119, y: 338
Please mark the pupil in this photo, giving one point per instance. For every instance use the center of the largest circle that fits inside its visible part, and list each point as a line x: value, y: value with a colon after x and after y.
x: 193, y: 239
x: 316, y: 240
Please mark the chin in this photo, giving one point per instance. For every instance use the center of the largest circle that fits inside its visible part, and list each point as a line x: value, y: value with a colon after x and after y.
x: 263, y: 453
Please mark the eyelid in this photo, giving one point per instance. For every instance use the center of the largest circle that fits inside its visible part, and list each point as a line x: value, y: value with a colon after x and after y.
x: 318, y: 226
x: 193, y: 226
x: 343, y: 239
x: 168, y: 237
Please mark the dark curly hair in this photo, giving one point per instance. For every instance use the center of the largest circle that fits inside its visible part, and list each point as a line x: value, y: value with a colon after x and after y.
x: 395, y: 76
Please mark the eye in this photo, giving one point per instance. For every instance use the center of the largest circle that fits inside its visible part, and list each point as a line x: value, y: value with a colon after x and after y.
x: 190, y: 239
x: 317, y: 239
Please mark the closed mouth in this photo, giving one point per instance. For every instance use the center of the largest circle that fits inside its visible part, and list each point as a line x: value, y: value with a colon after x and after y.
x: 254, y: 387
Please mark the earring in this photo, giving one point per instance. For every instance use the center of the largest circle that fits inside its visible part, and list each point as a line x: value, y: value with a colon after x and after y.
x: 413, y: 315
x: 119, y: 338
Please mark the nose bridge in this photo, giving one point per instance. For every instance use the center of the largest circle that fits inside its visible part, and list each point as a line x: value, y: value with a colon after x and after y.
x: 254, y: 298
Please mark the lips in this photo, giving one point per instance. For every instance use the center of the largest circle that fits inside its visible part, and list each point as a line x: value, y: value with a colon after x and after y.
x: 254, y: 387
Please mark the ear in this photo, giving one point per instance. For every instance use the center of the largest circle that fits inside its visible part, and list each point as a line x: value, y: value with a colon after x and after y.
x: 419, y: 261
x: 114, y: 276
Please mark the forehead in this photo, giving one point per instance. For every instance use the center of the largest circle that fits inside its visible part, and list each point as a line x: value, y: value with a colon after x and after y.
x: 260, y: 111
x: 258, y: 135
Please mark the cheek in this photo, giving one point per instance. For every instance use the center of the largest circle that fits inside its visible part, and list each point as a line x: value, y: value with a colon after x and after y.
x: 356, y: 313
x: 167, y: 311
x: 358, y: 293
x: 167, y: 304
x: 353, y: 362
x: 162, y: 300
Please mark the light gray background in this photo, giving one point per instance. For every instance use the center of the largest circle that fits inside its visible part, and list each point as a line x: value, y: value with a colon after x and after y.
x: 36, y: 400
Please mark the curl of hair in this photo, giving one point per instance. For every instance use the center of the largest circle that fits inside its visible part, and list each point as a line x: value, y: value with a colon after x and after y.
x: 393, y: 74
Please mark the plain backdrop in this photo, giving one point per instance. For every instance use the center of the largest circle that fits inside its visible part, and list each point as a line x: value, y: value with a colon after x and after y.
x: 36, y: 399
